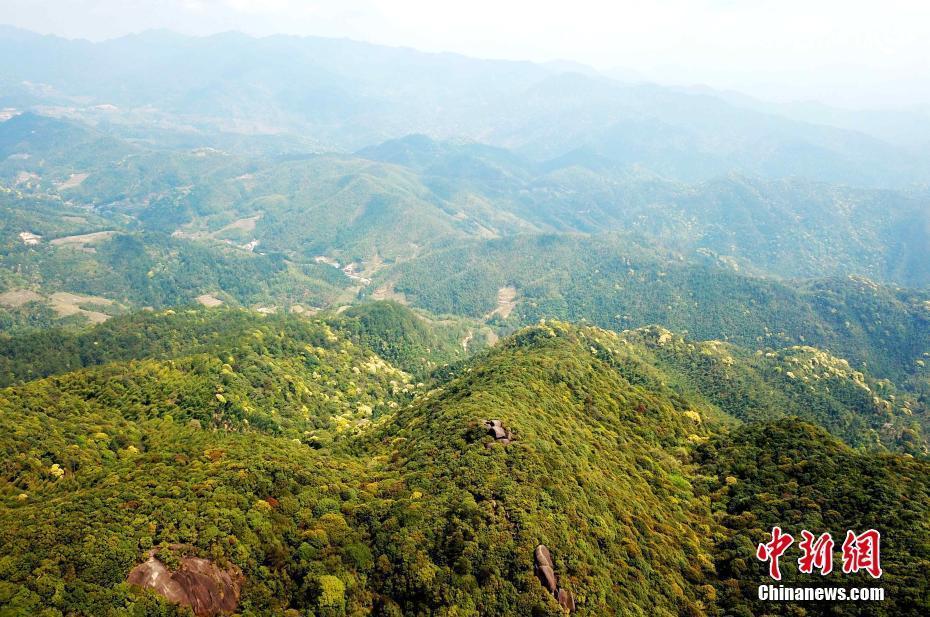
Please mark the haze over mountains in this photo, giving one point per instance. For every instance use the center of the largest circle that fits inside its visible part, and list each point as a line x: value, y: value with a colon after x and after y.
x: 261, y: 297
x: 347, y: 95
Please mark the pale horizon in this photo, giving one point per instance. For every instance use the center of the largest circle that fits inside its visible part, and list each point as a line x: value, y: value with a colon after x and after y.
x: 872, y: 55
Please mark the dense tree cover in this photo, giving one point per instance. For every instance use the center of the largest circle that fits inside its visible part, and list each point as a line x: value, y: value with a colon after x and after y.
x: 441, y: 222
x: 285, y: 447
x: 616, y: 283
x: 411, y: 341
x: 392, y: 200
x: 762, y: 385
x: 342, y: 462
x: 142, y: 335
x: 410, y: 197
x: 158, y: 271
x: 787, y: 228
x: 592, y: 473
x: 794, y: 475
x: 32, y: 316
x: 272, y: 506
x: 358, y: 209
x: 245, y: 369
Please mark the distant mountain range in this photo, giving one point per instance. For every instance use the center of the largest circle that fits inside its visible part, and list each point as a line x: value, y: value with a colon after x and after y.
x: 344, y: 95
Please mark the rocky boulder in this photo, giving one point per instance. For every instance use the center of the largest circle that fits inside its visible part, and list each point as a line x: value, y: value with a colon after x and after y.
x: 546, y: 576
x: 498, y: 431
x: 197, y: 583
x: 543, y: 556
x: 545, y: 572
x: 566, y: 600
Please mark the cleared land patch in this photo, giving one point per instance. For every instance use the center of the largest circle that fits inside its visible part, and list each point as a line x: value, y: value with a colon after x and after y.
x: 82, y: 239
x: 246, y: 224
x: 506, y: 302
x: 17, y: 297
x: 209, y: 301
x: 73, y: 181
x: 67, y: 304
x: 387, y: 292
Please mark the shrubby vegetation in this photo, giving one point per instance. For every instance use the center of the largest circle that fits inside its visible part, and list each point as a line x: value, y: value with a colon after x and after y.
x: 651, y: 465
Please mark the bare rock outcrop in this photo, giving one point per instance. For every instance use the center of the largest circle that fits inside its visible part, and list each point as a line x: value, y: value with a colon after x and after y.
x: 197, y: 583
x: 543, y: 556
x: 546, y: 576
x: 566, y: 600
x: 545, y: 572
x: 499, y: 432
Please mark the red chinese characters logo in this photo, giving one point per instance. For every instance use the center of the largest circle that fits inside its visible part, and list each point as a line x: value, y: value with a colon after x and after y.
x: 816, y: 553
x: 773, y: 550
x: 860, y: 552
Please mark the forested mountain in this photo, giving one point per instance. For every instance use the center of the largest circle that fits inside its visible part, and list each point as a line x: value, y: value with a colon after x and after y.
x: 302, y: 326
x: 158, y: 227
x: 350, y: 207
x: 330, y: 483
x: 409, y: 340
x: 606, y: 280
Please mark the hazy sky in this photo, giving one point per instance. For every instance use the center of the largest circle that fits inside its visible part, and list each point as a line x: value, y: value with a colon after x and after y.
x: 845, y: 52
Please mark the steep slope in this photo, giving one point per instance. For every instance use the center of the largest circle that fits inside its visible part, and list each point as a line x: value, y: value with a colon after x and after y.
x: 198, y: 454
x: 789, y: 227
x: 587, y: 474
x: 150, y: 335
x: 275, y: 448
x: 616, y: 281
x: 793, y: 475
x: 341, y: 207
x: 411, y: 340
x: 87, y: 494
x: 599, y: 471
x: 800, y: 380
